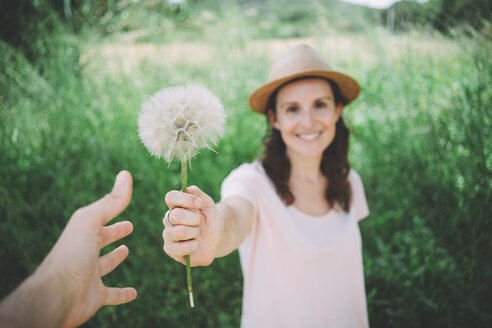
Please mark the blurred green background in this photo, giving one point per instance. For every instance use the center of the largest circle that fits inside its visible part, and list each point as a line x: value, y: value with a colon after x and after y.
x: 75, y: 73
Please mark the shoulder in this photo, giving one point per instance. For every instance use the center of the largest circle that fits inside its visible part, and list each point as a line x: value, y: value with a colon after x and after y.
x: 247, y: 176
x: 252, y: 170
x: 359, y: 202
x: 354, y: 178
x: 244, y: 181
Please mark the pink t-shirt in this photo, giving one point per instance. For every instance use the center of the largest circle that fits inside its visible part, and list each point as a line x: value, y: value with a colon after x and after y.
x: 299, y: 270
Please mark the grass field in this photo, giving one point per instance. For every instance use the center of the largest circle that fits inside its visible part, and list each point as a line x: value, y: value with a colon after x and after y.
x: 421, y: 141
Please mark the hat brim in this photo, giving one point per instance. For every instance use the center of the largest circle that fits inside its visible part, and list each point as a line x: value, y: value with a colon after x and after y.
x: 349, y: 88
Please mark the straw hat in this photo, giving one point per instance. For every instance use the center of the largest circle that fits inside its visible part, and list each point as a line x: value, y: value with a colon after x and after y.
x: 296, y: 62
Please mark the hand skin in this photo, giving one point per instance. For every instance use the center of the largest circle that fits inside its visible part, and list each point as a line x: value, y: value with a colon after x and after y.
x: 203, y: 229
x: 66, y: 289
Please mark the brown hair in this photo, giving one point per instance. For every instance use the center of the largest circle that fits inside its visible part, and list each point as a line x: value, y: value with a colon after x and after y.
x: 335, y: 165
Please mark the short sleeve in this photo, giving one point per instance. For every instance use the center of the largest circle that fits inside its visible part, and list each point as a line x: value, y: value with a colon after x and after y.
x: 359, y: 202
x: 240, y: 183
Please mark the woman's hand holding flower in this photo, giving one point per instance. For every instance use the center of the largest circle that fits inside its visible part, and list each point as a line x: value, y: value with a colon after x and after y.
x: 196, y: 229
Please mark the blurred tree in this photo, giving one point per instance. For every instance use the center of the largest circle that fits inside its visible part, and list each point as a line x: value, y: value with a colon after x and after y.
x: 405, y: 15
x: 439, y: 14
x: 27, y: 26
x: 455, y: 12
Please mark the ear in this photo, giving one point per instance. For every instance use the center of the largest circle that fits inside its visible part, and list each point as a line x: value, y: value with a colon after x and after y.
x: 339, y: 110
x: 272, y: 118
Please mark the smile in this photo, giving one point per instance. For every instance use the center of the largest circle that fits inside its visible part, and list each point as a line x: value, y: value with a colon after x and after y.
x: 310, y: 136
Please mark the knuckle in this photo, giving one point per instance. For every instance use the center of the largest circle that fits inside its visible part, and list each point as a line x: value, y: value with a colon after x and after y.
x: 180, y: 232
x: 168, y: 249
x: 167, y: 235
x: 197, y: 219
x: 176, y: 213
x: 209, y: 199
x: 193, y: 188
x: 170, y: 196
x: 104, y: 240
x: 111, y: 196
x: 167, y: 198
x: 186, y: 247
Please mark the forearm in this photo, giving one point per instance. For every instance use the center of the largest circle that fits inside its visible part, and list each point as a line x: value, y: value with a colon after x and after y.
x: 35, y: 303
x: 237, y: 224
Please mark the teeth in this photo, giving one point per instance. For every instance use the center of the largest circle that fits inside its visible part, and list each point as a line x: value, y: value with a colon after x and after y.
x: 309, y: 137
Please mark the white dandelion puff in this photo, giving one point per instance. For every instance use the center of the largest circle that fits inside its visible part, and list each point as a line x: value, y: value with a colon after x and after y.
x: 178, y: 121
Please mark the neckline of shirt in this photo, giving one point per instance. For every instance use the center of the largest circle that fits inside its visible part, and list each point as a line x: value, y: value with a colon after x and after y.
x: 310, y: 216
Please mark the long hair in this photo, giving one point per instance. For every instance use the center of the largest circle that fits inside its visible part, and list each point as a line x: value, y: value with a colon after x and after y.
x: 334, y: 165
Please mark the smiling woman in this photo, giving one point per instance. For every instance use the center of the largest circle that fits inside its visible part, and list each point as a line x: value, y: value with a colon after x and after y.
x: 293, y: 214
x: 306, y: 115
x: 305, y: 125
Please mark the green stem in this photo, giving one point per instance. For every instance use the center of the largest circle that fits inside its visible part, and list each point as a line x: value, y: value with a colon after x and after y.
x: 184, y: 176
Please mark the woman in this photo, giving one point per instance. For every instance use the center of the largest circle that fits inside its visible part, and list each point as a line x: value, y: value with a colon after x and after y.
x: 294, y: 213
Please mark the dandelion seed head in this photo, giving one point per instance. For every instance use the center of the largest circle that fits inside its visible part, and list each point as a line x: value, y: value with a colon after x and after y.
x: 178, y: 121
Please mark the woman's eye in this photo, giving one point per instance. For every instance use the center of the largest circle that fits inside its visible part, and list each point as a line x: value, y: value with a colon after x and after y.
x: 291, y: 109
x: 320, y: 104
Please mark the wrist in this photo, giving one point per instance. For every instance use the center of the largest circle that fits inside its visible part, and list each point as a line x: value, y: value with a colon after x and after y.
x: 52, y: 297
x: 40, y: 297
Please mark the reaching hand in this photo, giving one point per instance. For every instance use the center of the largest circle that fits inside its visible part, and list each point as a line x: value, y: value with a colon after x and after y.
x: 77, y: 253
x: 66, y: 289
x: 196, y: 227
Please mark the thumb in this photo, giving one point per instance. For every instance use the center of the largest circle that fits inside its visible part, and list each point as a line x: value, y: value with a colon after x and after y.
x: 206, y: 200
x: 108, y: 207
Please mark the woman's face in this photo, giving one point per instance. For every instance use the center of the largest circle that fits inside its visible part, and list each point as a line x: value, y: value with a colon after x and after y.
x: 306, y: 116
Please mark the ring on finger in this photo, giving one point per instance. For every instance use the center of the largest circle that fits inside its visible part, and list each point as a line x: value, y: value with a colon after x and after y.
x: 166, y: 219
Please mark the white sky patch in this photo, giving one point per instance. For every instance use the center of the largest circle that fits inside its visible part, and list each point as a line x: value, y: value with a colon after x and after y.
x: 380, y: 4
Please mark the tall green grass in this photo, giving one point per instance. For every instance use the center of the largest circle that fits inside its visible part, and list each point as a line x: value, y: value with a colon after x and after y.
x: 426, y: 158
x: 421, y: 142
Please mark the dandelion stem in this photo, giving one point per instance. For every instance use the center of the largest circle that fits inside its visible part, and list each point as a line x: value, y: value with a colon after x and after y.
x: 184, y: 176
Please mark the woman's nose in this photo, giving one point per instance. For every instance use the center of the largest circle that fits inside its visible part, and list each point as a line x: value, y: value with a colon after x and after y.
x: 306, y: 118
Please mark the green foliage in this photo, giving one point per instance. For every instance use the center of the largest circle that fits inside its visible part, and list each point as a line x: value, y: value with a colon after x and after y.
x: 453, y: 13
x: 421, y: 143
x: 428, y: 178
x: 444, y: 15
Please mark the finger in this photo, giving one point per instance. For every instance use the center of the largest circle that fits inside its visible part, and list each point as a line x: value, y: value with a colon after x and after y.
x: 181, y: 216
x: 110, y: 261
x: 207, y: 201
x: 116, y: 296
x: 182, y: 233
x: 176, y: 198
x: 114, y: 232
x: 113, y: 203
x: 178, y: 250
